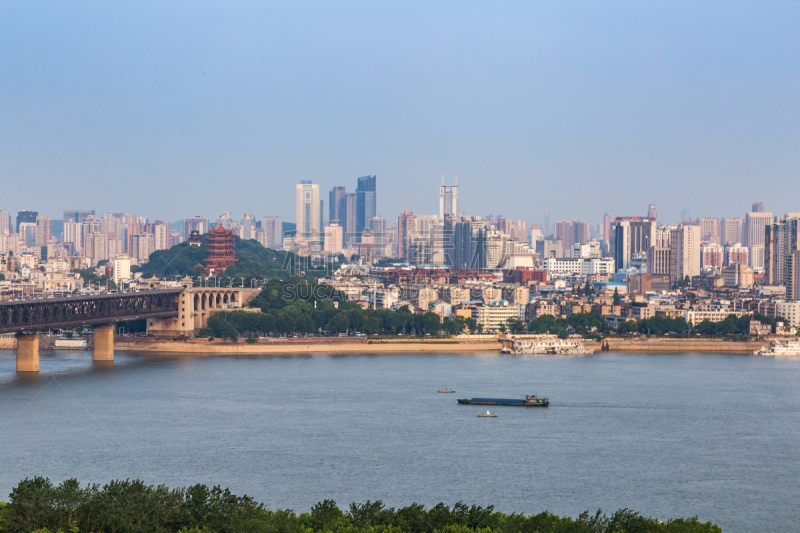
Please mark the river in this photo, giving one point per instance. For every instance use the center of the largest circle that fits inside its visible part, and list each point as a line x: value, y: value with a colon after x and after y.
x: 665, y: 435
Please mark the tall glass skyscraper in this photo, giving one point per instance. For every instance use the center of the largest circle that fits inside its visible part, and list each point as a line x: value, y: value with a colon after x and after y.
x: 366, y: 203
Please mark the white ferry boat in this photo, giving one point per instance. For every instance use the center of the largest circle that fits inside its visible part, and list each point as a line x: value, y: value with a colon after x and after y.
x: 780, y: 347
x: 550, y: 345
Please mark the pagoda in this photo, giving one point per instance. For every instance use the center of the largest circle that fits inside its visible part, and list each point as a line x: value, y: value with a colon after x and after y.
x: 221, y: 253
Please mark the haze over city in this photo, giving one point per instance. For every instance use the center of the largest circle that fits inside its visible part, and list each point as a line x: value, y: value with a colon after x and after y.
x: 181, y: 109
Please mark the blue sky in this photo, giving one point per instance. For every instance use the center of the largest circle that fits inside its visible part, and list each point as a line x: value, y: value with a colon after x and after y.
x: 180, y: 108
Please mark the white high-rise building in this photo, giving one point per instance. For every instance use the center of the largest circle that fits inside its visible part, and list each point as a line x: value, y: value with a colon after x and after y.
x: 308, y: 211
x: 333, y: 238
x: 161, y: 236
x: 755, y: 228
x: 27, y: 233
x: 121, y: 269
x: 73, y: 232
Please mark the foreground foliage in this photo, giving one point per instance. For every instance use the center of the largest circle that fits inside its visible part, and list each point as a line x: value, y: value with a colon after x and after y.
x: 133, y: 507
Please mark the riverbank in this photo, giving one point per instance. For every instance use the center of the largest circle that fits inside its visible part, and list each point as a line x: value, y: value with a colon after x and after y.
x: 353, y: 345
x: 291, y: 346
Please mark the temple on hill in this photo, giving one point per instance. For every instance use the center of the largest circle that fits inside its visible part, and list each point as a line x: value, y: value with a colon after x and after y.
x: 221, y: 252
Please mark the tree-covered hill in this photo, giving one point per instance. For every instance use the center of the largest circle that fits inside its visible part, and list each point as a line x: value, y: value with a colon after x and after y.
x: 253, y: 261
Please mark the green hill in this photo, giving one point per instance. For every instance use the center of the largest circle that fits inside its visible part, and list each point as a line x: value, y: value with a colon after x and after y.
x: 253, y: 261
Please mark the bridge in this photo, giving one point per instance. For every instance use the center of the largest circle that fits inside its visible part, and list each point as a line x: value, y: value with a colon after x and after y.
x: 169, y: 313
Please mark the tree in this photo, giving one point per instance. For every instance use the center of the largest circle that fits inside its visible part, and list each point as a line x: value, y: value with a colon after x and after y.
x: 587, y: 290
x: 617, y: 300
x: 338, y: 324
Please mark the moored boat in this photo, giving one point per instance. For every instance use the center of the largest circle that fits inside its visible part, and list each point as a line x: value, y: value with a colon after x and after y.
x: 780, y: 347
x: 531, y: 400
x: 549, y: 344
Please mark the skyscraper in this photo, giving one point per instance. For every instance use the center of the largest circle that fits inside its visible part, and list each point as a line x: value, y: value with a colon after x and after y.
x: 336, y: 205
x: 730, y: 230
x: 367, y: 203
x: 350, y: 215
x: 307, y: 211
x: 606, y: 227
x: 758, y: 207
x: 651, y: 211
x: 406, y: 227
x: 448, y: 200
x: 44, y: 230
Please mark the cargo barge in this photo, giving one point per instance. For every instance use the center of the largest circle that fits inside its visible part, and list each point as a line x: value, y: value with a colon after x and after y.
x: 529, y: 401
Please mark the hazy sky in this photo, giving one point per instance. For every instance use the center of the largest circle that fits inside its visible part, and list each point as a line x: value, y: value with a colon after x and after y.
x: 576, y: 108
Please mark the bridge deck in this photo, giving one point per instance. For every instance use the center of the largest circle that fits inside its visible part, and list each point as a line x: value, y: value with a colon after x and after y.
x: 44, y: 313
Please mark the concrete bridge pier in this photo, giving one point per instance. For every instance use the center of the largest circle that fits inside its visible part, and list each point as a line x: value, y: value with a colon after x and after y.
x: 28, y: 352
x: 103, y: 343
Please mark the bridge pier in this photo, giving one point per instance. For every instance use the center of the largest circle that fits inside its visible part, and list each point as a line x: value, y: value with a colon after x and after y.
x: 103, y: 343
x: 28, y: 352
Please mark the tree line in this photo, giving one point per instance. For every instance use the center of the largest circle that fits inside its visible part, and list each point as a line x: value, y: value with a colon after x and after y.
x: 39, y: 506
x: 298, y: 306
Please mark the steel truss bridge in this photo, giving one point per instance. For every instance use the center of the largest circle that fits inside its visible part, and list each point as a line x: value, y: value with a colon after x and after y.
x: 46, y: 313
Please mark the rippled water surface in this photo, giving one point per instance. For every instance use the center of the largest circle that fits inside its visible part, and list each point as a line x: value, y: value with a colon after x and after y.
x: 666, y: 435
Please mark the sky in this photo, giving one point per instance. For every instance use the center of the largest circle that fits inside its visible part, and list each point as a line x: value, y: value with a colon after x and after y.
x: 183, y: 108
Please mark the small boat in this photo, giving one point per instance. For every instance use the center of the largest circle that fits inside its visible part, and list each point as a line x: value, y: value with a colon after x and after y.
x: 487, y: 415
x: 446, y: 389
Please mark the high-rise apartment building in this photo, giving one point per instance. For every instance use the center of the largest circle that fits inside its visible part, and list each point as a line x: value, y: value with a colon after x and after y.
x: 755, y: 224
x: 380, y: 235
x: 96, y: 247
x: 308, y: 212
x: 730, y: 230
x: 142, y: 245
x: 44, y: 230
x: 571, y: 232
x: 658, y: 260
x: 198, y: 224
x: 448, y: 200
x: 366, y: 197
x: 782, y: 240
x: 406, y: 228
x: 273, y: 228
x: 709, y: 230
x: 736, y: 254
x: 606, y: 227
x: 27, y: 233
x: 632, y: 236
x: 5, y: 223
x: 73, y: 232
x: 26, y: 216
x: 161, y: 235
x: 248, y: 226
x: 684, y: 252
x: 712, y: 256
x: 758, y: 207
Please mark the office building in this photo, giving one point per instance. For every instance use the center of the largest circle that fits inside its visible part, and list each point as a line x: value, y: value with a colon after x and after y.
x: 307, y: 212
x: 684, y: 252
x: 651, y: 211
x: 26, y: 216
x: 366, y: 198
x: 758, y: 207
x: 337, y: 206
x: 658, y: 260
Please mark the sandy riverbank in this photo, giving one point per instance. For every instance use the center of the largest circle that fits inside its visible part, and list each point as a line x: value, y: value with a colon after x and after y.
x: 350, y: 345
x: 347, y: 345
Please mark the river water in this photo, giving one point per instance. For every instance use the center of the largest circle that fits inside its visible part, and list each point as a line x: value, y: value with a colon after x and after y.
x: 665, y: 435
